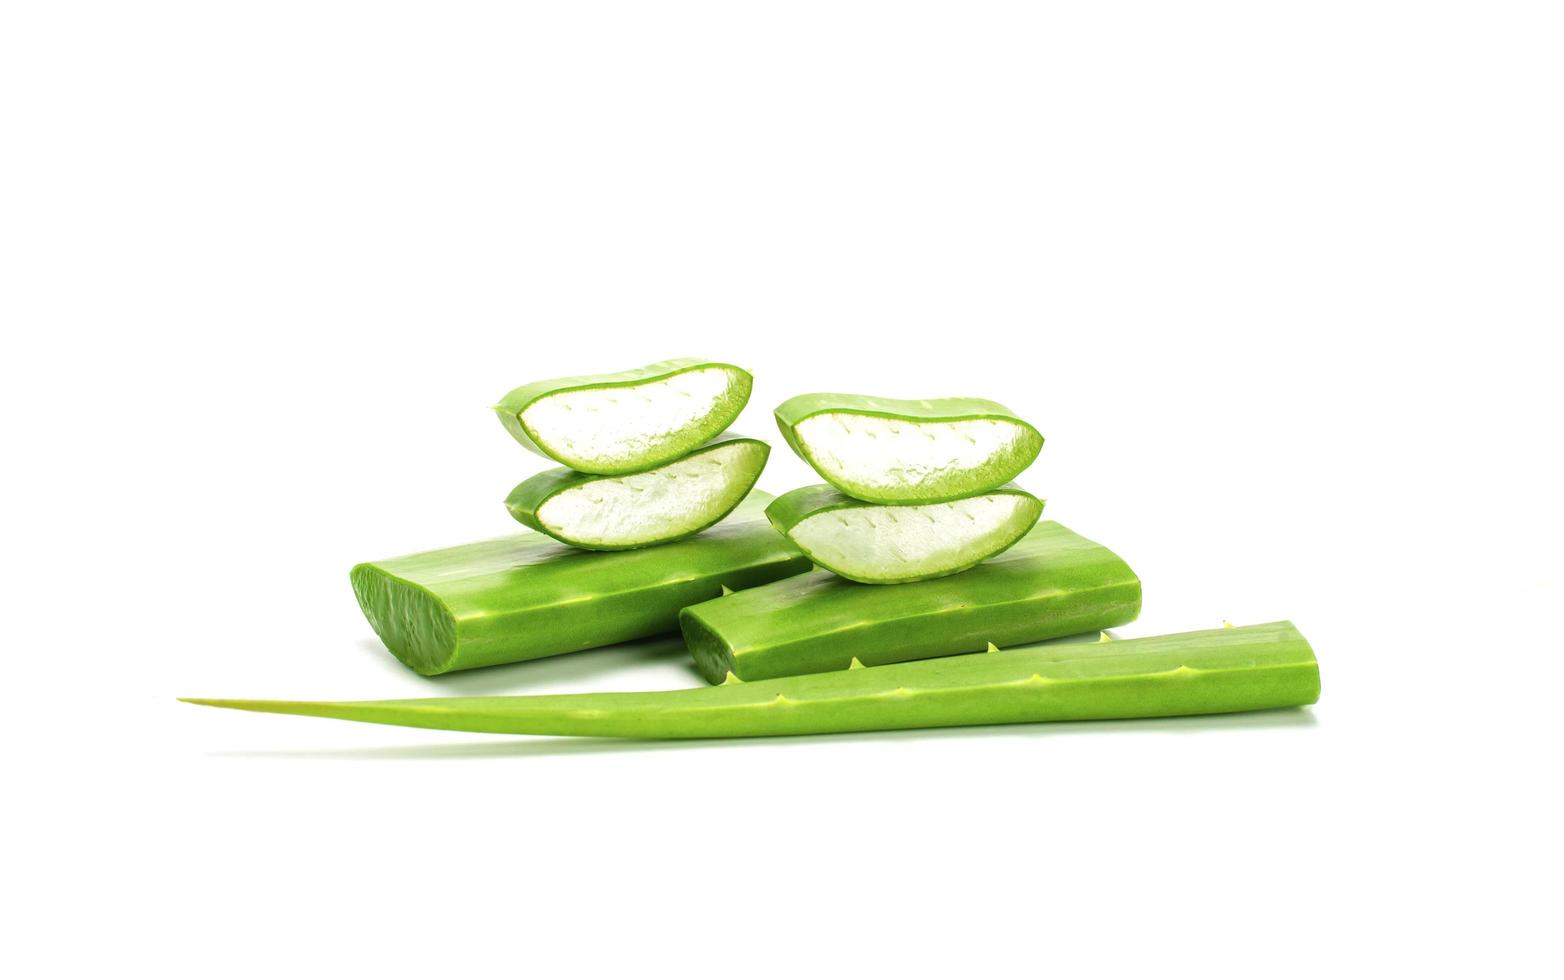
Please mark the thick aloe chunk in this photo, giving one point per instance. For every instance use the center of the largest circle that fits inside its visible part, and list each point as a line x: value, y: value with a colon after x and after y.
x: 892, y: 451
x: 1210, y: 672
x: 882, y: 544
x: 525, y: 596
x: 662, y: 504
x: 629, y: 421
x: 1052, y: 583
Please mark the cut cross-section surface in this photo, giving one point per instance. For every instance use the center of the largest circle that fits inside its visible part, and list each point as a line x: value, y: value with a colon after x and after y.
x: 626, y: 422
x: 894, y: 451
x: 881, y: 544
x: 662, y: 504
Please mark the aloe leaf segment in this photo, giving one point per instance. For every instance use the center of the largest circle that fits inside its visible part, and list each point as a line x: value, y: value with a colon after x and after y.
x: 629, y: 421
x: 894, y: 451
x: 525, y: 596
x: 1052, y: 583
x: 884, y: 544
x: 1208, y: 672
x: 655, y: 506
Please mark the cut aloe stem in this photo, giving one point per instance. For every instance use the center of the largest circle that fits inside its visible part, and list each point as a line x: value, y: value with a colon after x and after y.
x: 1209, y: 672
x: 1052, y: 583
x: 881, y: 544
x: 662, y: 504
x: 891, y: 451
x: 630, y: 421
x: 525, y: 596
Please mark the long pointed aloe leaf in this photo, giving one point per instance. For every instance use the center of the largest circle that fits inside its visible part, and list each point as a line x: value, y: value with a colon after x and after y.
x: 629, y: 421
x: 1209, y: 672
x: 880, y: 544
x: 1052, y: 583
x: 662, y: 504
x: 524, y: 596
x: 895, y: 451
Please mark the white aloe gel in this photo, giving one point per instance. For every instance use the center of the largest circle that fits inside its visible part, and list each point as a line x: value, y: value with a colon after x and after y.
x: 870, y: 543
x: 669, y: 501
x: 629, y: 421
x: 888, y: 456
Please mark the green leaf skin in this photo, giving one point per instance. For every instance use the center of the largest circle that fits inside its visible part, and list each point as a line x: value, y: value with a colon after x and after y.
x: 1210, y: 672
x: 1052, y: 583
x: 941, y: 553
x: 908, y: 480
x: 525, y: 596
x: 704, y: 509
x: 650, y: 444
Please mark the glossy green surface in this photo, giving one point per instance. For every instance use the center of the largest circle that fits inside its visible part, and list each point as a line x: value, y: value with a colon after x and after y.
x: 955, y: 484
x: 525, y: 596
x: 1052, y: 583
x: 533, y: 493
x: 1209, y: 672
x: 789, y: 510
x: 662, y: 447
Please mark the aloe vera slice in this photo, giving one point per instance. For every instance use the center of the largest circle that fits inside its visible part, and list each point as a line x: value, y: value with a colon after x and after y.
x: 525, y: 596
x: 881, y: 544
x: 633, y: 420
x: 893, y: 451
x: 1052, y: 583
x: 662, y: 504
x: 1209, y: 672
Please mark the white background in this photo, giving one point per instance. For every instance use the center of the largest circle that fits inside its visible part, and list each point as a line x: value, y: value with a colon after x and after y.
x: 1280, y: 283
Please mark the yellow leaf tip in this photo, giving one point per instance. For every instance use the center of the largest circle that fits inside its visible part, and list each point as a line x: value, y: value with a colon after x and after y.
x: 855, y: 665
x: 726, y: 590
x: 1226, y: 625
x: 732, y: 678
x: 1104, y: 637
x: 991, y: 648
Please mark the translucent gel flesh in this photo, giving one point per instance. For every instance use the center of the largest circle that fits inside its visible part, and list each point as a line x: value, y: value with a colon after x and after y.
x: 666, y: 502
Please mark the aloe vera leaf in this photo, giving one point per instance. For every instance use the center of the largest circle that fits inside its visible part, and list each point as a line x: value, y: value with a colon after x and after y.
x: 662, y: 504
x: 895, y: 451
x: 885, y: 544
x: 1052, y: 583
x: 525, y: 596
x: 609, y: 424
x: 1208, y: 672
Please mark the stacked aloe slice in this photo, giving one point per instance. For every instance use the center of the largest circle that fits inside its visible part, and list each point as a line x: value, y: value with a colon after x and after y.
x: 644, y: 461
x: 916, y: 489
